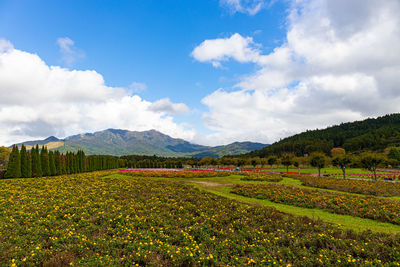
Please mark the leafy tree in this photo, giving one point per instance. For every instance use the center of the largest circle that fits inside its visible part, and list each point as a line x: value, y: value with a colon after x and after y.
x: 254, y: 162
x: 272, y: 160
x: 263, y: 162
x: 337, y: 151
x: 4, y: 154
x: 342, y: 162
x: 318, y: 160
x: 286, y: 160
x: 371, y: 161
x: 296, y: 163
x: 394, y: 153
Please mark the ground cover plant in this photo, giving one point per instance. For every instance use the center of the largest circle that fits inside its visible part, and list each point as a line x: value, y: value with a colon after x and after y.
x: 176, y: 173
x: 366, y: 187
x: 384, y: 210
x: 261, y: 176
x: 85, y: 219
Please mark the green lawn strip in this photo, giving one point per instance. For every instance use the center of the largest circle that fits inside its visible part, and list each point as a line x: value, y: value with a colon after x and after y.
x: 345, y: 221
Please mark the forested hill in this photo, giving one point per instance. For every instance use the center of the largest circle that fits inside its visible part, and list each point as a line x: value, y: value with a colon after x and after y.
x: 370, y: 134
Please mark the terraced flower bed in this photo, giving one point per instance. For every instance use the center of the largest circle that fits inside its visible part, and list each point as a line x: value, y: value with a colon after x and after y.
x: 176, y: 173
x: 261, y: 177
x: 87, y: 220
x: 376, y: 188
x: 384, y: 210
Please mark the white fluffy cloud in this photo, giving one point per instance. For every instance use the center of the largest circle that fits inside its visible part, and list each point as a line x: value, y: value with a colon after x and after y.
x: 250, y: 7
x: 236, y: 47
x: 38, y: 100
x: 340, y: 62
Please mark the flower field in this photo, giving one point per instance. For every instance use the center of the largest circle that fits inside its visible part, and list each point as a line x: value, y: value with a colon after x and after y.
x: 85, y: 219
x: 261, y: 177
x: 376, y: 188
x: 176, y: 173
x: 384, y: 210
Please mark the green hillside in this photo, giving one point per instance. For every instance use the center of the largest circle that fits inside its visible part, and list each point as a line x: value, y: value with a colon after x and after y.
x: 370, y: 134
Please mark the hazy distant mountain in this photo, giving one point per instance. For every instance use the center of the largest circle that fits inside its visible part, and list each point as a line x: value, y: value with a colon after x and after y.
x: 123, y: 142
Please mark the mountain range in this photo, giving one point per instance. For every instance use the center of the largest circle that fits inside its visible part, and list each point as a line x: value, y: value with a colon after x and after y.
x: 119, y: 142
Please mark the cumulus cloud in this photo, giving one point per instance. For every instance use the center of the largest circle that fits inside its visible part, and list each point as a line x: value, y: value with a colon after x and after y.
x: 69, y: 52
x: 165, y: 105
x: 38, y: 100
x: 340, y: 62
x: 237, y: 47
x: 250, y: 7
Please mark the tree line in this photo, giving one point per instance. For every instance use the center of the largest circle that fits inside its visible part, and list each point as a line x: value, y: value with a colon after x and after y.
x: 39, y: 162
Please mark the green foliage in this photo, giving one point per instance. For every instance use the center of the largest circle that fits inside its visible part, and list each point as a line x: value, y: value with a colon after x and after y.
x: 394, y: 153
x: 371, y: 161
x: 318, y: 160
x: 36, y: 162
x: 286, y: 160
x: 26, y: 170
x: 14, y: 164
x: 44, y: 159
x: 4, y: 153
x: 342, y: 162
x: 52, y: 163
x: 272, y: 160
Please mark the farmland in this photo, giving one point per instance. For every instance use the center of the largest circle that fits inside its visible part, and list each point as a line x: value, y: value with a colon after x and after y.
x: 114, y: 218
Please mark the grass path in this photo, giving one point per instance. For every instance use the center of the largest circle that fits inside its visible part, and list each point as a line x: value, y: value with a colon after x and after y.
x: 222, y: 186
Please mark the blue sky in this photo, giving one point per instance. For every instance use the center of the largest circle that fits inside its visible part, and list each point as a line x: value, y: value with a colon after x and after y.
x: 211, y: 72
x: 129, y: 41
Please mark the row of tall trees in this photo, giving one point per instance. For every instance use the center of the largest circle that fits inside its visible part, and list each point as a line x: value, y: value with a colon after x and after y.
x: 42, y: 162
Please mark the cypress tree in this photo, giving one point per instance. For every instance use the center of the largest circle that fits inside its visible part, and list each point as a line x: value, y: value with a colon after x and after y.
x: 44, y: 156
x: 14, y: 164
x: 24, y: 162
x: 52, y: 163
x: 39, y: 171
x: 57, y: 162
x: 29, y: 164
x: 83, y: 161
x: 34, y: 162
